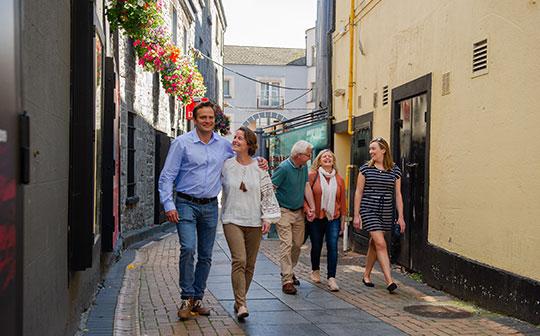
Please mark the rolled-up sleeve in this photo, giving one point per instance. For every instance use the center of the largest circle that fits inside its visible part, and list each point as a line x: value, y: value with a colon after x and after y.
x: 168, y: 175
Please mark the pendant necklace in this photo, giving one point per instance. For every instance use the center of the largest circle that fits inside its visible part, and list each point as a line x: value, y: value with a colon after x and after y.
x: 242, y: 185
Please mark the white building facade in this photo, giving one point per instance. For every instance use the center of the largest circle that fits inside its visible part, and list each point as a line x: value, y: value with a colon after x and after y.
x: 279, y: 92
x: 311, y: 62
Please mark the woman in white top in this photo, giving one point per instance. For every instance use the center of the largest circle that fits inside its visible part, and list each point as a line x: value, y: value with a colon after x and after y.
x: 248, y: 207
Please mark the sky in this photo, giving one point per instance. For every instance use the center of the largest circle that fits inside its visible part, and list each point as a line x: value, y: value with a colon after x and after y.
x: 269, y: 23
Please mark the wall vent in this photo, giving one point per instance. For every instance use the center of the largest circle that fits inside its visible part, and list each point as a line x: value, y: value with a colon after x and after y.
x: 359, y: 105
x: 375, y: 97
x: 446, y: 83
x: 385, y: 95
x: 480, y: 58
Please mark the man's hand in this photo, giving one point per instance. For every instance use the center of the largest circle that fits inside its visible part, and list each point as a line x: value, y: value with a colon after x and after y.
x: 265, y: 227
x: 172, y: 216
x: 263, y: 164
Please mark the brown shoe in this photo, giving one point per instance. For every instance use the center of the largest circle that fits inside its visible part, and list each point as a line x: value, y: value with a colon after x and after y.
x: 197, y: 307
x: 289, y: 288
x: 185, y: 310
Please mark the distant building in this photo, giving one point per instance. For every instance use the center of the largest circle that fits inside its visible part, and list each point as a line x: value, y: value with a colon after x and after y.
x: 311, y: 63
x: 258, y: 104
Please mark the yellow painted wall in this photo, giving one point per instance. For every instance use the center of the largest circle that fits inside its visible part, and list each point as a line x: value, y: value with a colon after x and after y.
x: 342, y: 149
x: 484, y: 187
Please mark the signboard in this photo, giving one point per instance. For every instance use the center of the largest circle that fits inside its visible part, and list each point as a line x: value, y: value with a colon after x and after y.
x: 280, y: 145
x: 191, y: 107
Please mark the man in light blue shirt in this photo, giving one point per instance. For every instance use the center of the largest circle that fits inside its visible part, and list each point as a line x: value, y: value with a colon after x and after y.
x: 193, y: 170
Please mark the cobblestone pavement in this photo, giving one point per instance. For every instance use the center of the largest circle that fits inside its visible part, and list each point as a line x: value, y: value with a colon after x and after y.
x: 149, y: 299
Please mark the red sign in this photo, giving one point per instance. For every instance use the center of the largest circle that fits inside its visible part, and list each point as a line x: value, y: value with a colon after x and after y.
x: 190, y: 107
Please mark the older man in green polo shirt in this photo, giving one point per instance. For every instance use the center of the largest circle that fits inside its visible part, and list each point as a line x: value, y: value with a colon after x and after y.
x: 291, y: 182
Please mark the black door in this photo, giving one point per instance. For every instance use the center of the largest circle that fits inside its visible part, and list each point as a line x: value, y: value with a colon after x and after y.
x: 410, y: 154
x: 359, y: 155
x: 162, y: 144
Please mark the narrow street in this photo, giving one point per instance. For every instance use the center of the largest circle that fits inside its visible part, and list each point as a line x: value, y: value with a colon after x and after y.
x: 144, y: 301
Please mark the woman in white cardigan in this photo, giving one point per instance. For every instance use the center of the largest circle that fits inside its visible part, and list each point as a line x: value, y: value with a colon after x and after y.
x: 248, y: 207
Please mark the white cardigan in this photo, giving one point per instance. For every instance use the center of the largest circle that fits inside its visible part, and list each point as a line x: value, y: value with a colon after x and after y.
x: 251, y: 207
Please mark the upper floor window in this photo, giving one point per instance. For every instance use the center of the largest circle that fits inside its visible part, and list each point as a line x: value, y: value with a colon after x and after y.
x: 270, y: 95
x: 227, y: 88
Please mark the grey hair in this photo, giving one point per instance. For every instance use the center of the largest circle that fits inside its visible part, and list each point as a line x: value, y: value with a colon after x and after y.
x: 300, y: 147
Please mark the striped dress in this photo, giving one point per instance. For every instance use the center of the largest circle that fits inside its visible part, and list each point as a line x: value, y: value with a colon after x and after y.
x: 377, y: 204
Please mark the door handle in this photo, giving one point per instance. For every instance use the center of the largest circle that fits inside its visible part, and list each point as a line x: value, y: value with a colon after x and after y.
x: 411, y: 165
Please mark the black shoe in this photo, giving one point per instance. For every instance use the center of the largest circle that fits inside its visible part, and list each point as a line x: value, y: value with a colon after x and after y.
x: 368, y: 284
x: 391, y: 287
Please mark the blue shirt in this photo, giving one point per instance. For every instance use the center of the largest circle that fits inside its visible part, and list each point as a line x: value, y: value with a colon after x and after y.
x: 193, y: 167
x: 290, y: 182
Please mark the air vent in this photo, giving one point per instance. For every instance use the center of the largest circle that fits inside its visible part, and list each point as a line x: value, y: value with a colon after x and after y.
x: 385, y: 95
x: 480, y: 58
x: 446, y: 83
x: 359, y: 102
x: 375, y: 97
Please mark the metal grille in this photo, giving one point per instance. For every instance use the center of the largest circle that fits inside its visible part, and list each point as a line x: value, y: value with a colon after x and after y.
x: 446, y: 83
x: 385, y: 95
x: 480, y: 58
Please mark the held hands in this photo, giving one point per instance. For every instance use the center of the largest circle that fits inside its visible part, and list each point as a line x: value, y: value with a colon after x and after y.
x: 402, y: 224
x: 172, y: 216
x: 357, y: 222
x: 310, y: 215
x: 265, y: 227
x: 342, y: 226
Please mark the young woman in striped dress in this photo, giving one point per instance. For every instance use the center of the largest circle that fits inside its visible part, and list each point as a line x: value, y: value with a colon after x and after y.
x: 379, y: 181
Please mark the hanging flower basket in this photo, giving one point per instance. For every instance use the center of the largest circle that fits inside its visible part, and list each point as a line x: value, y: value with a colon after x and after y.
x: 223, y: 122
x: 141, y: 20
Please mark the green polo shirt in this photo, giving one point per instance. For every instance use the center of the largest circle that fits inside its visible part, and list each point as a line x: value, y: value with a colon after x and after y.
x: 290, y: 182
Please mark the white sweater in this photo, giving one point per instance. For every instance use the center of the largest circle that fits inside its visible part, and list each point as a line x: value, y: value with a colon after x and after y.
x: 251, y: 207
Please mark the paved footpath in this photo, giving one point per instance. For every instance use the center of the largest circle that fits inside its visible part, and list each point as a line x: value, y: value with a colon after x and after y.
x: 146, y: 299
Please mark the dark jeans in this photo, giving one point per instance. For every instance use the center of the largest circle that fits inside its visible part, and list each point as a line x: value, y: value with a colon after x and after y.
x: 318, y: 229
x: 196, y: 231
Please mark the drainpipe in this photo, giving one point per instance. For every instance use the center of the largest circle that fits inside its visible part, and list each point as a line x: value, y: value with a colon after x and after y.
x: 350, y: 129
x: 351, y: 62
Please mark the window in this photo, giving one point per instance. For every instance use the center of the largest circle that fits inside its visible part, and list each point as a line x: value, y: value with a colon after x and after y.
x: 313, y: 55
x: 174, y: 27
x: 270, y: 95
x: 185, y: 41
x: 227, y: 88
x: 131, y: 159
x: 217, y: 32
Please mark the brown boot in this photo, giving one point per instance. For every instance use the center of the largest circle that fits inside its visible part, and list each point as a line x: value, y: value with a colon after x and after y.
x: 185, y: 309
x: 289, y: 288
x: 197, y: 307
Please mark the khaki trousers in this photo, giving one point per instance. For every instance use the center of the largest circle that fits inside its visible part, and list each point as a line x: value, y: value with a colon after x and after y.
x: 290, y: 229
x: 244, y: 245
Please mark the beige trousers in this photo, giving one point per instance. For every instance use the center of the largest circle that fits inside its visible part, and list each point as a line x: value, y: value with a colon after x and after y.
x: 244, y: 245
x: 290, y: 229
